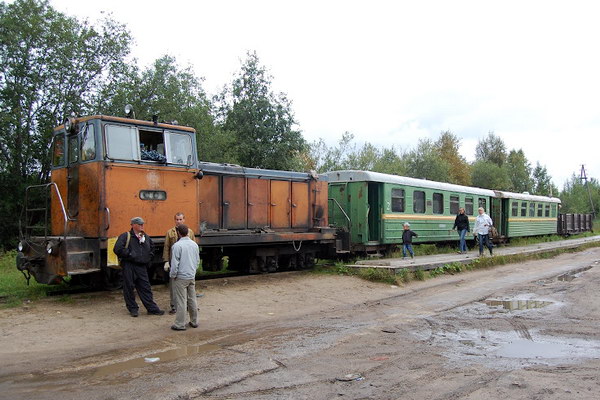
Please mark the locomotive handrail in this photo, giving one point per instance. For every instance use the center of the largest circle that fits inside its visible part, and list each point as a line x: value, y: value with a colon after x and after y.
x: 342, y: 210
x: 62, y: 206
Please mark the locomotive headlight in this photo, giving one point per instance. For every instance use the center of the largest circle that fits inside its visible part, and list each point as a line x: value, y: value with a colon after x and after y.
x: 49, y: 248
x: 20, y: 246
x: 52, y: 247
x: 153, y: 195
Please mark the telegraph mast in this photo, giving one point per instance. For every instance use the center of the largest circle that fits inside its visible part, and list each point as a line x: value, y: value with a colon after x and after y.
x: 583, y: 178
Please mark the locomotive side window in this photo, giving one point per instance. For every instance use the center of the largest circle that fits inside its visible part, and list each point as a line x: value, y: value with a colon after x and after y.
x: 524, y: 209
x: 438, y: 203
x: 419, y: 202
x: 58, y: 151
x: 515, y: 208
x: 152, y: 146
x: 122, y: 143
x: 532, y: 209
x: 454, y: 205
x: 179, y: 149
x: 88, y: 144
x: 397, y: 200
x: 469, y: 205
x: 540, y: 208
x: 73, y: 149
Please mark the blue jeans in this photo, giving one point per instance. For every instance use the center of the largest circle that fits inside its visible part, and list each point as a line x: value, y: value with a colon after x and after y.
x: 407, y: 246
x: 463, y: 243
x: 484, y: 239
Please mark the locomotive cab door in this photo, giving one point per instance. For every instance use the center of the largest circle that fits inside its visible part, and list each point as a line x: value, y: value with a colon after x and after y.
x: 73, y: 176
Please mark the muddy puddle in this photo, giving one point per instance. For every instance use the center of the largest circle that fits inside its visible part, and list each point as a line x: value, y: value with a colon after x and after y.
x: 164, y: 356
x: 512, y: 305
x: 569, y: 276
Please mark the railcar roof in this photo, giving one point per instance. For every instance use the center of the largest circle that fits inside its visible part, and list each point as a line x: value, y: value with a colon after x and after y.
x: 368, y: 176
x: 233, y: 169
x: 130, y: 121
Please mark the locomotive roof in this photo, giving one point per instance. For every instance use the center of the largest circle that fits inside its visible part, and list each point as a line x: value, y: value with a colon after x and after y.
x: 368, y: 176
x: 130, y: 121
x: 233, y: 169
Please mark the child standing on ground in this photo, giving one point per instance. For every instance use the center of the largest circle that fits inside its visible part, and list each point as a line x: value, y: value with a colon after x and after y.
x: 407, y: 236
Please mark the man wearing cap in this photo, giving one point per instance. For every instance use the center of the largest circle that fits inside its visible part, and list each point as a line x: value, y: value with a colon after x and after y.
x: 134, y: 249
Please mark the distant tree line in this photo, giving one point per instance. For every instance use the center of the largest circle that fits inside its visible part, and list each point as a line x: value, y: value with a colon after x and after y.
x: 54, y: 66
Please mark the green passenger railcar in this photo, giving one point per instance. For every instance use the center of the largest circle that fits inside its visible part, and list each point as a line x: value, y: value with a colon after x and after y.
x: 374, y: 206
x: 528, y: 215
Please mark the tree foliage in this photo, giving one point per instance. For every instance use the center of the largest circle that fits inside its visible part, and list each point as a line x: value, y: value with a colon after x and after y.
x: 580, y: 197
x: 488, y: 175
x: 519, y: 172
x: 448, y: 145
x: 425, y: 162
x: 261, y: 121
x: 491, y: 149
x: 542, y: 182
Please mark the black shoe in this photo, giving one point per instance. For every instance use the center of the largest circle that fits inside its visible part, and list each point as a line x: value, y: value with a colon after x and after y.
x: 192, y: 325
x: 134, y: 313
x: 176, y: 328
x: 158, y: 312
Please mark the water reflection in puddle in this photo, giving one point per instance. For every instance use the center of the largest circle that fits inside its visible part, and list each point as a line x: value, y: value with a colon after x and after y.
x: 530, y: 349
x: 169, y: 355
x: 512, y: 305
x: 569, y: 276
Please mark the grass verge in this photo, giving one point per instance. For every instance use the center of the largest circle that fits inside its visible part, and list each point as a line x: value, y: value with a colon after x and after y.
x: 13, y: 286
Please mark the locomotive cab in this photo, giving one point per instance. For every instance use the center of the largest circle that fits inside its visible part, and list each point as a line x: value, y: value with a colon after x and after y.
x: 105, y: 170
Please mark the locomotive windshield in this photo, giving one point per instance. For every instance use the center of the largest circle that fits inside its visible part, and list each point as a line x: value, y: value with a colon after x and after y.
x: 135, y: 144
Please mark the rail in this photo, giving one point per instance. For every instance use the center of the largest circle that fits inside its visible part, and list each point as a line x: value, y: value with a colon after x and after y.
x: 342, y: 210
x: 28, y: 210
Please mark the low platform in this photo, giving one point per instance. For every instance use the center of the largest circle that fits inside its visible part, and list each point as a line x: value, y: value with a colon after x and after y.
x: 439, y: 260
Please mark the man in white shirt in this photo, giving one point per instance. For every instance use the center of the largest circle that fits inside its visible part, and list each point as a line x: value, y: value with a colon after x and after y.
x: 482, y: 230
x: 185, y: 257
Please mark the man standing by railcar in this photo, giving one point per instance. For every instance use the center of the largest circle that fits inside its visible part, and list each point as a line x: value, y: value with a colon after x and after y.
x: 184, y: 263
x: 170, y: 238
x: 134, y: 249
x: 483, y: 223
x: 461, y: 224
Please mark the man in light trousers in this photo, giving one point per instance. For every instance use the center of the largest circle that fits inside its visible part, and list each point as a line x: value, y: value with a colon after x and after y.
x: 185, y: 257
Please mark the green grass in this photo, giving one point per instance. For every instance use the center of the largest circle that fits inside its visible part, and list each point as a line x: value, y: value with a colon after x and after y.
x: 13, y: 286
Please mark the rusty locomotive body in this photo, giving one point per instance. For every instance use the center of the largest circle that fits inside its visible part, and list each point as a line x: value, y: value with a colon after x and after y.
x: 107, y: 170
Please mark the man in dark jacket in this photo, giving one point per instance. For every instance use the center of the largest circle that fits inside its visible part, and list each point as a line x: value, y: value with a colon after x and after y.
x: 134, y: 249
x: 461, y: 224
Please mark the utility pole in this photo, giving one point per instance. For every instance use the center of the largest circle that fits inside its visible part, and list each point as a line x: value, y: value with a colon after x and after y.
x: 583, y: 178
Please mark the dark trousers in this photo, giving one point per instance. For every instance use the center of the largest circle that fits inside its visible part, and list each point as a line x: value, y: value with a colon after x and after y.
x: 136, y: 276
x: 485, y: 240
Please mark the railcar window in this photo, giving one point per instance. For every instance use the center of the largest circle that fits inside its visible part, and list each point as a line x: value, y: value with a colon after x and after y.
x: 73, y: 149
x: 553, y: 210
x: 419, y: 202
x: 515, y: 208
x: 454, y: 205
x: 179, y: 149
x: 438, y: 203
x: 482, y: 204
x: 547, y: 209
x: 540, y: 208
x: 122, y: 143
x: 532, y: 209
x: 88, y: 144
x: 469, y: 206
x: 398, y: 200
x: 58, y: 151
x: 523, y: 209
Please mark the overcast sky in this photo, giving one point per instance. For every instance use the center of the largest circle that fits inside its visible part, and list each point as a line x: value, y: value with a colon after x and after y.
x: 391, y: 72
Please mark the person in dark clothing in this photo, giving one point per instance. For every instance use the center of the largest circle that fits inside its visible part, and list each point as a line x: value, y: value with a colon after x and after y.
x: 407, y: 236
x: 134, y: 249
x: 461, y: 224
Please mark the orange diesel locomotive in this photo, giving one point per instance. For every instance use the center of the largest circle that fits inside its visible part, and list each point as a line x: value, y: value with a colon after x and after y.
x: 106, y: 170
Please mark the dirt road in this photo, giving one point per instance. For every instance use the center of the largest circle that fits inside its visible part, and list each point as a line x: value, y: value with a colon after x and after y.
x: 307, y: 336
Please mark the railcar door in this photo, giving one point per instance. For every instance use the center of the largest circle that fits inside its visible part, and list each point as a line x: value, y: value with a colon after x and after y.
x: 374, y: 216
x: 73, y: 176
x: 497, y: 215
